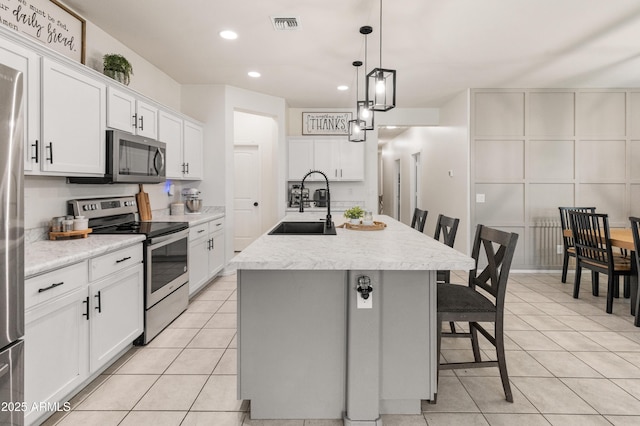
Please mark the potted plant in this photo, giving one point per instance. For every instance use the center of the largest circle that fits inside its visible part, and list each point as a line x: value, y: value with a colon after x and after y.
x: 354, y: 214
x: 117, y: 67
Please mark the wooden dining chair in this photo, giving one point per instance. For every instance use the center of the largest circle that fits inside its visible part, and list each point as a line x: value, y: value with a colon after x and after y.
x: 447, y: 227
x: 592, y: 242
x: 467, y: 303
x: 419, y: 219
x: 567, y: 242
x: 635, y: 294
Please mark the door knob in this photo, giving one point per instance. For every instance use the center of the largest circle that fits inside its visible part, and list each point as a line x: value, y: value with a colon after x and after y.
x: 255, y: 204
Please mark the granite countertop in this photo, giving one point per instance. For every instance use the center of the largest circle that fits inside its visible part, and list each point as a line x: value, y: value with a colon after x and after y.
x: 398, y: 247
x: 46, y: 255
x: 207, y: 214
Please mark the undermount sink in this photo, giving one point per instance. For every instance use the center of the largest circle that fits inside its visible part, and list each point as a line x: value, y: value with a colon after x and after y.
x: 302, y: 228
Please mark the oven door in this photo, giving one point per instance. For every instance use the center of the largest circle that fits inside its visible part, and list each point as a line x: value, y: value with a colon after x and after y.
x: 166, y: 265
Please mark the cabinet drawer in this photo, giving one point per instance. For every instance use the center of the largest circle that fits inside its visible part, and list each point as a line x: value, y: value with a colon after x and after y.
x: 198, y: 231
x: 216, y: 225
x: 113, y: 262
x: 52, y: 284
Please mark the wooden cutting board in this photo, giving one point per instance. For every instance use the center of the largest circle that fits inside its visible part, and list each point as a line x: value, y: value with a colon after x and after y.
x: 144, y: 207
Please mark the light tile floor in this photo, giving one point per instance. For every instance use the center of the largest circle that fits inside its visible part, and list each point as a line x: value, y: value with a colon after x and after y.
x: 569, y: 363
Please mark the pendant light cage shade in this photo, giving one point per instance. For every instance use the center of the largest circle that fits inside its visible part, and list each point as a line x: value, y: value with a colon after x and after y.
x: 381, y: 89
x: 365, y: 114
x: 357, y: 132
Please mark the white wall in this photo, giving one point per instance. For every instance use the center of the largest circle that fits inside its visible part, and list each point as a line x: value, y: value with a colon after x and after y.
x: 215, y: 106
x: 442, y: 148
x: 252, y: 129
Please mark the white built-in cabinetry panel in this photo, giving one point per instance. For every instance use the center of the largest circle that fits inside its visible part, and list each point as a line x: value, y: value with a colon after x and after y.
x: 73, y: 121
x: 206, y: 253
x: 338, y: 158
x: 77, y: 320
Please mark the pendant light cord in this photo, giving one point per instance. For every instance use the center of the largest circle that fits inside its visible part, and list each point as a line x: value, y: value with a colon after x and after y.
x: 380, y: 33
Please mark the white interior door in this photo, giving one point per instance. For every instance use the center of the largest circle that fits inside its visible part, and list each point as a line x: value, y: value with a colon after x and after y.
x: 246, y: 203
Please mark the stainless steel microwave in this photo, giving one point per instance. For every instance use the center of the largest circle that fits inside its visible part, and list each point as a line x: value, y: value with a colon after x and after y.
x: 131, y: 159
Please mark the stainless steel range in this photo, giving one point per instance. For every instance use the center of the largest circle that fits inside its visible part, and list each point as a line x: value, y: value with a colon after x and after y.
x: 165, y: 256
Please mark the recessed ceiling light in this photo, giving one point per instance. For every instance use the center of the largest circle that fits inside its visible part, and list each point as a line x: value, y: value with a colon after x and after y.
x: 254, y: 74
x: 391, y: 127
x: 343, y: 87
x: 228, y: 35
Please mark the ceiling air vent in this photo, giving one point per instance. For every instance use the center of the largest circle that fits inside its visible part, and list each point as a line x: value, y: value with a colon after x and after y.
x: 285, y: 23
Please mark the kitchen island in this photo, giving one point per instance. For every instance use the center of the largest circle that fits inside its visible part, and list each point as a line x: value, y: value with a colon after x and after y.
x: 311, y: 346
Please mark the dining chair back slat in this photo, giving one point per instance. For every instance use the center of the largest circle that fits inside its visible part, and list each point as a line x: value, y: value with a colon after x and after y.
x: 592, y: 240
x: 567, y: 241
x: 419, y: 219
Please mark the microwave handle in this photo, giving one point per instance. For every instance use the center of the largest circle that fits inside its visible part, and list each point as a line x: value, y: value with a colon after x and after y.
x: 159, y: 156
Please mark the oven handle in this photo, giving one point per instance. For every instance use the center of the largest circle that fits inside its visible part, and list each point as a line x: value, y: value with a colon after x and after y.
x: 166, y: 239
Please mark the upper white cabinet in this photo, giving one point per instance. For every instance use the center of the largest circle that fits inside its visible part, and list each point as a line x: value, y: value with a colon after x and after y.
x: 73, y: 121
x: 28, y: 62
x: 300, y: 158
x: 184, y: 146
x: 338, y: 158
x: 170, y: 131
x: 126, y: 112
x: 192, y: 151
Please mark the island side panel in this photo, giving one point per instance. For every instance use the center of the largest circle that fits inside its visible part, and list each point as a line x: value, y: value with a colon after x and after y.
x: 292, y: 343
x: 408, y: 334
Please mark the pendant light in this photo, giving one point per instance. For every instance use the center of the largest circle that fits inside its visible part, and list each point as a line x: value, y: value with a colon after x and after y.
x: 381, y: 83
x: 357, y: 132
x: 364, y: 111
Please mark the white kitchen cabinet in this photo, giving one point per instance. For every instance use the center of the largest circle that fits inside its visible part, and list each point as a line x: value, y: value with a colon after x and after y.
x: 300, y: 158
x: 56, y: 336
x: 77, y: 320
x: 193, y: 150
x: 28, y: 62
x: 117, y: 314
x: 170, y: 131
x: 206, y: 253
x: 184, y: 141
x: 126, y: 112
x: 338, y: 158
x: 73, y: 121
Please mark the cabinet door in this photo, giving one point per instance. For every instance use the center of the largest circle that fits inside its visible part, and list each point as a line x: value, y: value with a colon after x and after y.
x: 193, y: 140
x: 198, y: 263
x: 300, y: 158
x: 147, y: 119
x: 25, y: 60
x: 216, y: 255
x: 73, y: 121
x: 117, y: 309
x: 325, y: 153
x: 170, y: 130
x: 121, y: 108
x: 351, y: 160
x: 56, y: 349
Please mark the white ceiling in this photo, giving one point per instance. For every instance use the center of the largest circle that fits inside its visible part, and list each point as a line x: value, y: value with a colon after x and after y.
x: 438, y: 47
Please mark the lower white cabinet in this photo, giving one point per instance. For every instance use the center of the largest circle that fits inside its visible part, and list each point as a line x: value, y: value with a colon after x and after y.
x: 206, y: 253
x: 56, y: 350
x: 117, y: 317
x: 77, y: 320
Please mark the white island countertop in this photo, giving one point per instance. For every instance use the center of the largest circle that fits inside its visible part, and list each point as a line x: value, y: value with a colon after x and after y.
x: 397, y: 247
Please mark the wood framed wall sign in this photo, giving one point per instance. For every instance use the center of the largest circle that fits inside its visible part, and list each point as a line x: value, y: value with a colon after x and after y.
x: 48, y: 22
x: 325, y: 123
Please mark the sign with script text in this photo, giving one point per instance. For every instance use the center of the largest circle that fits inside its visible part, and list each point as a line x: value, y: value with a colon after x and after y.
x: 325, y: 123
x: 48, y: 22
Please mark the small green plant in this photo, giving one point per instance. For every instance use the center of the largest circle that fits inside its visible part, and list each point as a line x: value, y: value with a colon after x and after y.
x: 117, y: 67
x: 354, y: 213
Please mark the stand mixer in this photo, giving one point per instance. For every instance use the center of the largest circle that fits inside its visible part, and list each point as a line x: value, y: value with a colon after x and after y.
x: 192, y: 200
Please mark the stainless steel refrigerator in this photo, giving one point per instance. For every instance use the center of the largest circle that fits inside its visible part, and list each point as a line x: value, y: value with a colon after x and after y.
x: 11, y: 248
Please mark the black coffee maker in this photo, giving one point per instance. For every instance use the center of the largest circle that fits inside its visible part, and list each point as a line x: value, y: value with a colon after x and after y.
x: 320, y: 197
